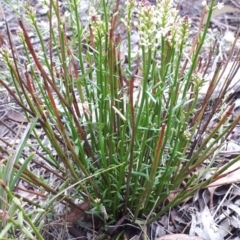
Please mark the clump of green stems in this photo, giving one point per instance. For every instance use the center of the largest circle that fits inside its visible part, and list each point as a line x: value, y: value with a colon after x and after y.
x: 126, y: 153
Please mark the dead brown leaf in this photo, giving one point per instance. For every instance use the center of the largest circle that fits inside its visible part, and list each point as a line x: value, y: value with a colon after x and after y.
x: 171, y: 196
x: 179, y: 237
x: 77, y: 213
x: 218, y: 12
x: 231, y: 175
x: 17, y: 117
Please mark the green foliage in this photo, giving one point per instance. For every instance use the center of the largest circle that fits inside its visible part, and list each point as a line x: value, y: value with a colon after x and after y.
x: 125, y: 150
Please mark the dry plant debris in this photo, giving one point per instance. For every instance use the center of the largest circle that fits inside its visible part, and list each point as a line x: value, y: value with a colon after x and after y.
x: 213, y: 213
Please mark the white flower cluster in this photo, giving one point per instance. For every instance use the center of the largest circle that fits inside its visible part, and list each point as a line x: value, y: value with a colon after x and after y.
x: 147, y: 25
x: 158, y: 21
x: 197, y: 79
x: 5, y: 54
x: 166, y: 14
x: 97, y: 25
x: 130, y: 7
x: 183, y: 33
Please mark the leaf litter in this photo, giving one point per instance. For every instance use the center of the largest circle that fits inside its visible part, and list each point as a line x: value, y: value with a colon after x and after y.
x: 213, y: 213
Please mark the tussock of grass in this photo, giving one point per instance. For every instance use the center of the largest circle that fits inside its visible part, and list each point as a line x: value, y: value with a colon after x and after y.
x: 125, y: 153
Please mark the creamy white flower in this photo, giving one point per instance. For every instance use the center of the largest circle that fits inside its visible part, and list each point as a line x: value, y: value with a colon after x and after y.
x: 204, y: 3
x: 97, y: 24
x: 97, y: 200
x: 130, y: 4
x: 220, y: 5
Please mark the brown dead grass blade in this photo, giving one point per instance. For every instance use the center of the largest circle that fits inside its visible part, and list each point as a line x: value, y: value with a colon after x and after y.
x: 77, y: 212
